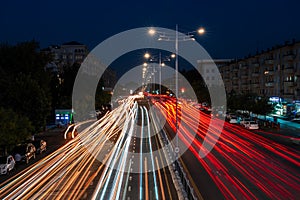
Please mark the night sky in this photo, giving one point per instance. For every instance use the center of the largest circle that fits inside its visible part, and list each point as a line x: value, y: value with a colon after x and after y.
x: 234, y: 28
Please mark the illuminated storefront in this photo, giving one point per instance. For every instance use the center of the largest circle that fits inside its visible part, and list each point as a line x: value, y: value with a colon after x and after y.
x: 64, y: 116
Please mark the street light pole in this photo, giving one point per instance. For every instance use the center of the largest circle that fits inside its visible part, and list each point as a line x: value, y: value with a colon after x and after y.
x: 166, y: 37
x: 176, y: 90
x: 160, y: 66
x: 161, y: 63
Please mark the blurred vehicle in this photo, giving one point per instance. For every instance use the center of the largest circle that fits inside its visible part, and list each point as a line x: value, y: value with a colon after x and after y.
x: 40, y: 145
x: 7, y: 164
x: 233, y: 120
x: 243, y: 121
x: 251, y: 125
x: 24, y: 152
x: 229, y: 115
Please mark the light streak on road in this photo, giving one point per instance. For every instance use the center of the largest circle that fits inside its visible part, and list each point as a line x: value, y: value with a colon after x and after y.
x: 151, y: 154
x: 141, y: 156
x: 117, y: 159
x: 67, y: 172
x: 243, y: 165
x: 146, y: 180
x: 160, y: 180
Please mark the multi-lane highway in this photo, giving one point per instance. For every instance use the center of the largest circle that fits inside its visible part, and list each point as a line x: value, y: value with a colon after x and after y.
x: 129, y: 154
x: 242, y: 164
x: 109, y: 159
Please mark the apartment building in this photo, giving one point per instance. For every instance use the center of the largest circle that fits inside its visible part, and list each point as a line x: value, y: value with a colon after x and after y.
x: 66, y: 54
x: 272, y: 73
x: 73, y: 52
x: 208, y: 70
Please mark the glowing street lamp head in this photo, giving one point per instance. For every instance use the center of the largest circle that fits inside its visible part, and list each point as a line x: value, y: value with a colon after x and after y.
x: 162, y: 64
x: 201, y: 31
x: 173, y: 55
x: 147, y: 55
x: 151, y: 31
x: 145, y: 64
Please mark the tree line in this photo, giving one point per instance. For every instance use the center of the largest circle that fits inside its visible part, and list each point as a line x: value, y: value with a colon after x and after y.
x: 25, y: 97
x: 29, y: 93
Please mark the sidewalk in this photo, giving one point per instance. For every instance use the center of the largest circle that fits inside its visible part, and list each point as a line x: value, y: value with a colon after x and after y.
x: 287, y: 128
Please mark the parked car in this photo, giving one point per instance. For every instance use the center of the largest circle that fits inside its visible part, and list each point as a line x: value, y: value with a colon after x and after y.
x: 232, y: 119
x: 251, y: 125
x: 7, y: 164
x: 24, y: 152
x: 228, y: 115
x: 243, y: 121
x: 40, y: 145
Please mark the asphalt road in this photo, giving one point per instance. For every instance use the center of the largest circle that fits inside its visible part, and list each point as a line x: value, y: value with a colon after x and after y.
x: 114, y: 158
x: 54, y: 139
x: 97, y: 163
x: 241, y: 165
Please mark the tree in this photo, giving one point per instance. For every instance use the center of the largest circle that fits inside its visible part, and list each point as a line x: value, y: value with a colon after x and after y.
x: 102, y: 97
x: 249, y: 102
x: 198, y: 85
x: 27, y: 98
x: 63, y: 91
x: 24, y: 82
x: 261, y: 106
x: 13, y: 127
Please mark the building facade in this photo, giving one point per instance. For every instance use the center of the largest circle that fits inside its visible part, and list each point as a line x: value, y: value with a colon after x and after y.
x: 73, y: 52
x: 275, y: 72
x: 66, y: 54
x: 209, y: 72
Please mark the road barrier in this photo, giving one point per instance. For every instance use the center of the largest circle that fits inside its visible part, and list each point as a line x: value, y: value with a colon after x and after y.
x: 185, y: 181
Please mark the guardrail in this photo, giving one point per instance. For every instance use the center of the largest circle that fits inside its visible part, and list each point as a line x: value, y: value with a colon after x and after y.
x: 185, y: 182
x: 190, y: 194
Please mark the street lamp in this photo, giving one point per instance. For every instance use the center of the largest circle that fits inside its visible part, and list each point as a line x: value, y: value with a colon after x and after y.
x: 161, y: 60
x: 151, y: 31
x: 162, y: 36
x: 147, y: 55
x: 201, y: 31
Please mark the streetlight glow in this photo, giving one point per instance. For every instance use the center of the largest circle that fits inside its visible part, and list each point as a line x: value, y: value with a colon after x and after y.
x: 162, y: 64
x: 173, y: 55
x: 151, y: 31
x: 201, y: 31
x: 145, y: 64
x: 147, y: 55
